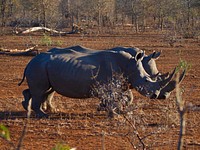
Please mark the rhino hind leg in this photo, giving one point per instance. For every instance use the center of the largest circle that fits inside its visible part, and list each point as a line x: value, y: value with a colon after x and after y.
x: 27, y: 97
x: 36, y: 106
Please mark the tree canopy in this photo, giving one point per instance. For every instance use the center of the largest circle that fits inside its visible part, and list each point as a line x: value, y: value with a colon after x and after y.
x: 140, y: 14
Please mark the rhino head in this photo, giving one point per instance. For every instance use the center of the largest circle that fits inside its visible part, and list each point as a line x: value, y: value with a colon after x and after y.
x: 149, y: 63
x: 156, y: 85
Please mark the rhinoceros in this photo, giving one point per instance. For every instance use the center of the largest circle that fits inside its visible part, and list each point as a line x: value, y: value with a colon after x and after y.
x: 73, y: 74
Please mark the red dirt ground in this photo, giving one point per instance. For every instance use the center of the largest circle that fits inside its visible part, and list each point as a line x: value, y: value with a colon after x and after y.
x: 78, y: 124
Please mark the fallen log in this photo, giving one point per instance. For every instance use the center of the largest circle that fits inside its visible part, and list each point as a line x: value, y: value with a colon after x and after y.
x: 15, y: 52
x: 75, y: 29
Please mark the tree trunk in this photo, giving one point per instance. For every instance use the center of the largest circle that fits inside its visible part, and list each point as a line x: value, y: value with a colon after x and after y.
x: 144, y: 24
x: 135, y: 22
x: 43, y: 13
x: 162, y: 23
x: 3, y: 9
x: 188, y: 12
x: 99, y: 18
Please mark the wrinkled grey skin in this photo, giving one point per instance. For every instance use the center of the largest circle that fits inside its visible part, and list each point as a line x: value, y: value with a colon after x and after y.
x: 148, y: 61
x: 73, y: 73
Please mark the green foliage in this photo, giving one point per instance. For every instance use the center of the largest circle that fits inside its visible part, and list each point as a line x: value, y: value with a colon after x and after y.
x: 60, y: 146
x: 183, y: 65
x: 58, y: 43
x: 46, y: 40
x: 4, y: 132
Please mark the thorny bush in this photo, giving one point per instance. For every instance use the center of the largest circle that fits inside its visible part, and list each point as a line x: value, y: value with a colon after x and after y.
x: 115, y: 96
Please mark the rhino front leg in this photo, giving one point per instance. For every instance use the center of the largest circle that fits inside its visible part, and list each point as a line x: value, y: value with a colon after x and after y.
x: 47, y: 105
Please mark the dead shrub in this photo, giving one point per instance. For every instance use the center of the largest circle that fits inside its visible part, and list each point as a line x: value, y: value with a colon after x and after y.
x: 115, y: 96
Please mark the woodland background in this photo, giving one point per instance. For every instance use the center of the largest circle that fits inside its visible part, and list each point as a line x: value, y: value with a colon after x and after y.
x: 180, y: 16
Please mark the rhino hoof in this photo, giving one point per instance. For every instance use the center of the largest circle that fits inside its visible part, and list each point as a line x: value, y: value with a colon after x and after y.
x: 51, y: 110
x: 42, y: 115
x: 25, y: 105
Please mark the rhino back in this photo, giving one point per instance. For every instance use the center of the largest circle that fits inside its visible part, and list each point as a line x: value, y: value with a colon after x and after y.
x: 81, y: 49
x: 76, y: 48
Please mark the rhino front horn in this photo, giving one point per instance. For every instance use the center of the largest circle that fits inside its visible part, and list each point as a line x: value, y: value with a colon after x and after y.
x: 182, y: 77
x: 165, y: 92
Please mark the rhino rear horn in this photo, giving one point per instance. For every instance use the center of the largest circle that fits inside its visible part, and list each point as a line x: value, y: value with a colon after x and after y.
x: 160, y: 76
x: 164, y: 76
x: 155, y: 76
x: 164, y: 82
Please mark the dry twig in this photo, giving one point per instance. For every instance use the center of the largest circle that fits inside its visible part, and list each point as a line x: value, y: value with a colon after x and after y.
x: 135, y: 132
x: 182, y: 113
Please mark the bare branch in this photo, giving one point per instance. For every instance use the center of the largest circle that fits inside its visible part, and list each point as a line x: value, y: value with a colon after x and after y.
x: 182, y: 113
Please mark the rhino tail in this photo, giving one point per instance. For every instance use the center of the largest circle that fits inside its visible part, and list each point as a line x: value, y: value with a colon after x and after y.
x: 22, y: 78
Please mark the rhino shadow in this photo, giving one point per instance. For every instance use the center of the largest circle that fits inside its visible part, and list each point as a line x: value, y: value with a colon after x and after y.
x: 5, y: 115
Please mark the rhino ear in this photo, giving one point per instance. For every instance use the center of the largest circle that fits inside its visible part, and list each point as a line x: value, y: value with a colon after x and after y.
x: 155, y: 55
x: 139, y: 56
